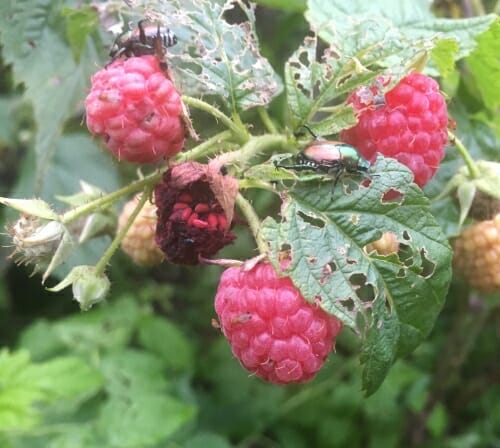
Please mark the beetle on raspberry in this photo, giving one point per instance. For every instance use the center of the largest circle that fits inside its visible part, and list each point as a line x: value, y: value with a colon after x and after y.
x: 144, y: 40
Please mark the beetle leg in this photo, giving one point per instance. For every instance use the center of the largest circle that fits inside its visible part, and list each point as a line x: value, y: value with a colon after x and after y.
x: 142, y: 34
x: 293, y: 167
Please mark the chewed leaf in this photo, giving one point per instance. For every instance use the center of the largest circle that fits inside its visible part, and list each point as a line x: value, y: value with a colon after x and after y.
x: 356, y: 56
x: 218, y: 55
x: 391, y: 301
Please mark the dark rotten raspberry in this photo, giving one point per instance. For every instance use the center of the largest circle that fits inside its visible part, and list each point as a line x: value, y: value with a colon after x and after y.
x: 408, y: 124
x: 195, y: 208
x: 272, y: 330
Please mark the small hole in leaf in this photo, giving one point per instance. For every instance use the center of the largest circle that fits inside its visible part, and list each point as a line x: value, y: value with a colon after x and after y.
x: 406, y: 236
x: 285, y: 247
x: 348, y: 304
x: 364, y: 290
x: 401, y: 273
x: 392, y: 196
x: 358, y: 279
x: 312, y: 260
x: 428, y: 266
x: 315, y: 222
x: 366, y: 182
x: 350, y: 261
x: 329, y: 268
x: 405, y: 254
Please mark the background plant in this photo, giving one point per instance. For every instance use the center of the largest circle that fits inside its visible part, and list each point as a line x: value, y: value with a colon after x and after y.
x: 130, y: 389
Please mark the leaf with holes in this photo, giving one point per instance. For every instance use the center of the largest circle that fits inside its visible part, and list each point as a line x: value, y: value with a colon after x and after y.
x: 390, y: 301
x: 357, y: 54
x: 217, y: 52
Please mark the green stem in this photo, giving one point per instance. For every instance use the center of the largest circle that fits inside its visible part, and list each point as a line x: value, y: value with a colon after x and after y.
x: 254, y: 146
x: 462, y: 150
x: 103, y: 201
x: 253, y: 222
x: 266, y: 119
x: 207, y: 148
x: 245, y: 184
x: 103, y: 262
x: 239, y: 131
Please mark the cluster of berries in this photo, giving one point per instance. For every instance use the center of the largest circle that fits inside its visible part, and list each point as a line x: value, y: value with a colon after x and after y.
x: 274, y: 332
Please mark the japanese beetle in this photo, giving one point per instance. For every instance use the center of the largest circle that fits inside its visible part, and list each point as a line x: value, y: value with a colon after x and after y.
x: 329, y: 157
x: 143, y: 40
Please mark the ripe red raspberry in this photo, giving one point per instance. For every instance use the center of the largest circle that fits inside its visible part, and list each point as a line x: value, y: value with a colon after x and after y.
x: 195, y: 212
x: 477, y: 255
x: 139, y: 242
x: 137, y: 110
x: 272, y: 330
x: 410, y: 125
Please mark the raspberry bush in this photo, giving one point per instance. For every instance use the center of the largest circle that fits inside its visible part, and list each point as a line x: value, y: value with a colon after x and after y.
x: 325, y: 216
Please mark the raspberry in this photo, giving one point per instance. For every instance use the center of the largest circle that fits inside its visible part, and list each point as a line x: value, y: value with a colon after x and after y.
x: 139, y: 242
x: 272, y: 330
x: 195, y: 210
x: 137, y: 110
x: 477, y: 255
x: 410, y: 125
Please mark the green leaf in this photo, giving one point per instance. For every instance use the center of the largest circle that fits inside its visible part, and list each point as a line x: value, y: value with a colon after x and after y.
x: 444, y: 55
x: 33, y: 207
x: 402, y: 12
x: 142, y: 419
x: 66, y: 378
x: 17, y: 394
x: 413, y: 19
x: 484, y: 63
x: 41, y: 340
x: 79, y: 24
x: 164, y: 338
x: 215, y: 57
x: 391, y: 301
x: 73, y: 150
x: 132, y: 372
x: 463, y: 31
x: 108, y: 327
x: 44, y: 64
x: 207, y: 440
x: 23, y: 384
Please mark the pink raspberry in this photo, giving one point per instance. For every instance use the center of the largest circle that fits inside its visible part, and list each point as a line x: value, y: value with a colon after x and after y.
x: 410, y: 125
x: 272, y: 330
x: 137, y: 110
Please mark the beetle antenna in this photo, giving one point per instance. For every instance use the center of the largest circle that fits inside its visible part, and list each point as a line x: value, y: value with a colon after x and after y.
x: 305, y: 126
